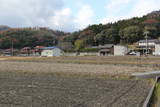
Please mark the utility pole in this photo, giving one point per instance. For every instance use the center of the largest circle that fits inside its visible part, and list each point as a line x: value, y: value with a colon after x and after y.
x: 12, y: 46
x: 146, y: 37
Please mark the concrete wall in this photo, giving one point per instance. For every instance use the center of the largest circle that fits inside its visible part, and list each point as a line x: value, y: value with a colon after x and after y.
x: 70, y: 54
x: 52, y: 52
x: 89, y: 54
x: 120, y: 50
x: 82, y: 54
x: 157, y: 49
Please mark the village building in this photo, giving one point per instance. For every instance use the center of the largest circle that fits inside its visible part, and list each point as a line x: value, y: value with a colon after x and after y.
x: 26, y: 51
x: 51, y: 51
x: 157, y: 50
x: 9, y: 52
x: 120, y: 50
x: 37, y: 50
x: 106, y: 50
x: 147, y: 45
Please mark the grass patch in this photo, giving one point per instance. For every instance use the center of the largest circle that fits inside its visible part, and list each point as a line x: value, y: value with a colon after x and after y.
x: 76, y: 75
x: 156, y: 96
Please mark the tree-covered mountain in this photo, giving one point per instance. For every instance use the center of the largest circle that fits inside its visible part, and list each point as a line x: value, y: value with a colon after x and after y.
x: 121, y: 32
x: 29, y: 37
x: 3, y: 28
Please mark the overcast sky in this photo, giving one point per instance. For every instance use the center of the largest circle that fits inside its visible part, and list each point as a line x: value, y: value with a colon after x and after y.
x: 71, y: 15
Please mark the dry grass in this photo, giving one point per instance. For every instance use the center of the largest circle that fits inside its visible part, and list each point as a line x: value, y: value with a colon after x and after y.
x: 92, y: 66
x: 130, y: 60
x: 70, y: 68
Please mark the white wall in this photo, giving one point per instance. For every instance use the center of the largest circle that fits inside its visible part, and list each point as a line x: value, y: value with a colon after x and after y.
x: 157, y: 49
x: 52, y: 52
x: 88, y: 54
x: 149, y: 44
x: 120, y: 50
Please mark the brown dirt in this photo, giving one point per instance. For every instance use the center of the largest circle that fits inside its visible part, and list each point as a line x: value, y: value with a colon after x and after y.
x: 45, y: 90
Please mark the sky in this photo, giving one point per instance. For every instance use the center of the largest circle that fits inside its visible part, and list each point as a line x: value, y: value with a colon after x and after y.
x: 71, y: 15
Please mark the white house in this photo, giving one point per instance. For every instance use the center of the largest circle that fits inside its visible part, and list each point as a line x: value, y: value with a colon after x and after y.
x: 149, y: 43
x: 51, y: 51
x: 149, y: 46
x: 120, y: 50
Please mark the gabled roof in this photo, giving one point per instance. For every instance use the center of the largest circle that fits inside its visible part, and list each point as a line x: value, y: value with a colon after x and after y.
x: 103, y: 46
x: 106, y: 46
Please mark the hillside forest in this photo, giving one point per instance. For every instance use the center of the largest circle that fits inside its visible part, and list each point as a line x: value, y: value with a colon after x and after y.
x: 123, y: 32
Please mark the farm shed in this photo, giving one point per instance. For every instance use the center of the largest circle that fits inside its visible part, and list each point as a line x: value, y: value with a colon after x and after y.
x: 51, y: 51
x: 120, y: 50
x: 106, y: 50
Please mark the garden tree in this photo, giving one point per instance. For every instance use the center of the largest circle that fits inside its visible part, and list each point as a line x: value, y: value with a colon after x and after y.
x: 131, y: 34
x: 79, y: 44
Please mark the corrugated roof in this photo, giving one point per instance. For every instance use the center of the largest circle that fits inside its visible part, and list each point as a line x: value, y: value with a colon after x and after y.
x: 106, y: 46
x: 52, y: 47
x: 149, y: 40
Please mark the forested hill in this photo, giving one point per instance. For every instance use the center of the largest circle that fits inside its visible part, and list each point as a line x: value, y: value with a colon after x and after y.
x: 2, y: 28
x: 29, y: 37
x: 122, y: 32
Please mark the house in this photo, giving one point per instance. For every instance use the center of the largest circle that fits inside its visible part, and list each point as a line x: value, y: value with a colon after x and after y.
x: 10, y: 52
x: 120, y: 50
x: 151, y: 43
x: 147, y: 45
x: 37, y: 50
x: 26, y: 51
x: 105, y: 50
x: 7, y: 52
x: 51, y: 51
